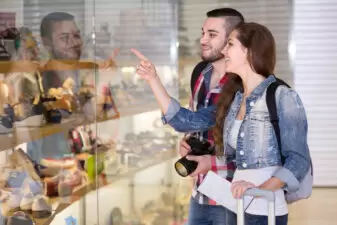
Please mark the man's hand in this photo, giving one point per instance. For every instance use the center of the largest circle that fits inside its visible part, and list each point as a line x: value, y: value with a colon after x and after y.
x: 146, y: 70
x: 184, y: 148
x: 204, y: 164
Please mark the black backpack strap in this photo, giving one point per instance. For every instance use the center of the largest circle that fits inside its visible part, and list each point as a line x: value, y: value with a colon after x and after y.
x: 271, y: 104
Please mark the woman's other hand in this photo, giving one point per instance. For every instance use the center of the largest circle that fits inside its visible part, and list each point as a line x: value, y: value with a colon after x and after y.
x: 240, y: 187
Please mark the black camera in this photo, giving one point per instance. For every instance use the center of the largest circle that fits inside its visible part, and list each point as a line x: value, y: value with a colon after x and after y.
x: 185, y: 167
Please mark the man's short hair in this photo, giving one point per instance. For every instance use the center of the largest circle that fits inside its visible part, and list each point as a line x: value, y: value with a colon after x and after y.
x: 46, y: 27
x: 233, y: 17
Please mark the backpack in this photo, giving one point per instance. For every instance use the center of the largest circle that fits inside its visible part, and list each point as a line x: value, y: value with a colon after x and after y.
x: 305, y: 189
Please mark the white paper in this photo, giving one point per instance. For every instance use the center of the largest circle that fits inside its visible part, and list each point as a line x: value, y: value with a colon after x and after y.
x: 219, y: 190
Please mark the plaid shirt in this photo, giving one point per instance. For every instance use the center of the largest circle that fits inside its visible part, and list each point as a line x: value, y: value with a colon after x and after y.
x: 209, y: 97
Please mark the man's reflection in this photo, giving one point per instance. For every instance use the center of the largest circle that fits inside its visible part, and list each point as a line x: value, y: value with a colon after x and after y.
x: 62, y: 40
x: 61, y: 36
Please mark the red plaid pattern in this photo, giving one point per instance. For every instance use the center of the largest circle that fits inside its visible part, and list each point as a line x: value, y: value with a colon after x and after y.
x: 225, y: 170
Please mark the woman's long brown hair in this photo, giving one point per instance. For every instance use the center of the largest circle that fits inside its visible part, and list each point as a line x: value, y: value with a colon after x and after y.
x: 260, y: 44
x: 226, y: 97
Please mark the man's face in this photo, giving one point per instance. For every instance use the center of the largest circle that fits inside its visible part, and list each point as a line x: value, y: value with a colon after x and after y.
x: 66, y: 42
x: 213, y: 39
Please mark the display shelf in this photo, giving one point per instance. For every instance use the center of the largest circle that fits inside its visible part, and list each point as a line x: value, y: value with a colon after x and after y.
x: 59, y: 65
x: 127, y: 173
x: 23, y: 134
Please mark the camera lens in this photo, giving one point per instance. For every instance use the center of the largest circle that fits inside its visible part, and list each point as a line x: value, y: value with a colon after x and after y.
x: 185, y: 167
x: 181, y: 170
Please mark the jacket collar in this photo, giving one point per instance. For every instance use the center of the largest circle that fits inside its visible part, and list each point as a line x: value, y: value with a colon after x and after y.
x: 259, y: 90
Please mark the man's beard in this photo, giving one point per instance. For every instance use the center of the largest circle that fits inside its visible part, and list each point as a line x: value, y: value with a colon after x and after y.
x: 215, y: 55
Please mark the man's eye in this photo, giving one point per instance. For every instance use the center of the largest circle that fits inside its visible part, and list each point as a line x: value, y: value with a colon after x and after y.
x: 212, y: 35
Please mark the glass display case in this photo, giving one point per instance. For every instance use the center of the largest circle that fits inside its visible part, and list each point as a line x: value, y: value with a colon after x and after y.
x: 82, y: 140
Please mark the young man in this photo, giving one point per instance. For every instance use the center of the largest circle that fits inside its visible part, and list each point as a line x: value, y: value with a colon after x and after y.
x: 206, y: 86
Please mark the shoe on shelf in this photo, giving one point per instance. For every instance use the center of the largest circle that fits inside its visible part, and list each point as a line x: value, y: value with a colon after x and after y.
x: 74, y: 179
x: 65, y: 100
x: 64, y: 189
x: 32, y: 186
x: 14, y: 200
x: 29, y: 113
x: 20, y: 218
x: 15, y: 178
x: 27, y: 202
x: 23, y: 160
x: 41, y: 208
x: 6, y: 120
x: 51, y: 185
x: 53, y: 116
x: 87, y: 104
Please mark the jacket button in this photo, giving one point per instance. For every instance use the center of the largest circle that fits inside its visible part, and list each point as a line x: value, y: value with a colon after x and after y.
x: 242, y: 134
x: 251, y: 104
x: 242, y: 153
x: 244, y: 165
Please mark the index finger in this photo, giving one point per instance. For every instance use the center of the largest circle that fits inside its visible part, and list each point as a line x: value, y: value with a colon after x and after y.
x: 138, y: 54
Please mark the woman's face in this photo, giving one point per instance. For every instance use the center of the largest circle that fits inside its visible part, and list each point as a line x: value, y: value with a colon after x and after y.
x: 235, y: 55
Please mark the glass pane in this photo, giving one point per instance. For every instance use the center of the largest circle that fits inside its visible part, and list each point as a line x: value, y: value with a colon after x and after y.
x: 48, y: 97
x: 139, y: 166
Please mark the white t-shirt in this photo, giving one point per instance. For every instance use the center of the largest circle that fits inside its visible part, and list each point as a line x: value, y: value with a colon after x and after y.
x: 258, y: 206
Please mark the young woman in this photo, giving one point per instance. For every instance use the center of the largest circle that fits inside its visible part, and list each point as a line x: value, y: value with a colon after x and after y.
x: 243, y: 125
x: 243, y: 130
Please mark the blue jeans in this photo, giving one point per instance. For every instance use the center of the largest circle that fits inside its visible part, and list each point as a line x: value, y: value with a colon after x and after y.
x: 255, y: 219
x: 206, y: 214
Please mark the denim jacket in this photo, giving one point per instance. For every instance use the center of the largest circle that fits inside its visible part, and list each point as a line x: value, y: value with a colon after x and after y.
x: 257, y: 144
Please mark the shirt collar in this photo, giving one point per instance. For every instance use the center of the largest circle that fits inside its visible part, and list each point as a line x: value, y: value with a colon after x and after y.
x: 207, y: 69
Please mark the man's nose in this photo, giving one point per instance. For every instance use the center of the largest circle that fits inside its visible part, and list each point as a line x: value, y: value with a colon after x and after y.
x: 75, y: 41
x: 204, y: 39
